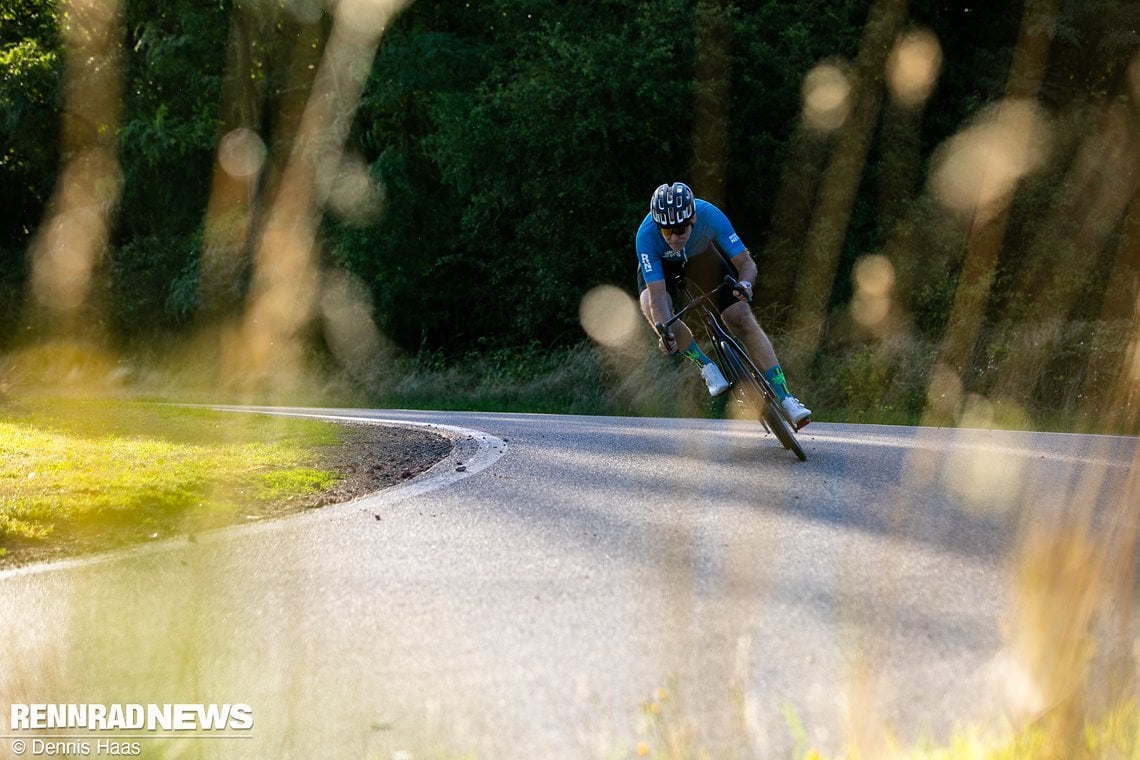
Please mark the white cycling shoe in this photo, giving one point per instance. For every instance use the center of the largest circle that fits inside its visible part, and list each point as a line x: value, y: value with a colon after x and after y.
x: 714, y: 379
x: 797, y: 414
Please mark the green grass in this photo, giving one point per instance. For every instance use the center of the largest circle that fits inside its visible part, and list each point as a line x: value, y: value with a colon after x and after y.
x: 103, y: 473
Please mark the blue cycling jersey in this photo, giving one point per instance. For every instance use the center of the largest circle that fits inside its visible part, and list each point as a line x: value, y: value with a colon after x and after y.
x: 712, y: 226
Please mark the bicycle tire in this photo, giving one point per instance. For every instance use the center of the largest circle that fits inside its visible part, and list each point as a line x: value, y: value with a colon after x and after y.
x: 748, y: 382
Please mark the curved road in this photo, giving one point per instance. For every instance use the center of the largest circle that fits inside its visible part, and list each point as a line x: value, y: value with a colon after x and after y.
x: 565, y: 587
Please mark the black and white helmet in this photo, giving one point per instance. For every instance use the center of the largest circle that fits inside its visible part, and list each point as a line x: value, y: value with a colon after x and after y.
x: 671, y: 205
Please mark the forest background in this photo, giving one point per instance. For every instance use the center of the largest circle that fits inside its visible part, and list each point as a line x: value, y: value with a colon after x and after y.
x: 434, y: 202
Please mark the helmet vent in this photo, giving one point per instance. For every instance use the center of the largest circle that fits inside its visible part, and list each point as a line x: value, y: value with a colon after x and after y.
x: 671, y: 204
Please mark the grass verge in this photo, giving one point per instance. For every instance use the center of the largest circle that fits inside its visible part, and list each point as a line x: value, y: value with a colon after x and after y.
x: 79, y: 476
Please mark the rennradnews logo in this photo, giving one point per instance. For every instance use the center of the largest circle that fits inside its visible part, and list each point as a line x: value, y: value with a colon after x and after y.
x: 131, y: 717
x: 118, y: 730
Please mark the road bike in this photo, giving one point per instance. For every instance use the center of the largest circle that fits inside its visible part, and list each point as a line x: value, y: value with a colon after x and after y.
x: 749, y: 387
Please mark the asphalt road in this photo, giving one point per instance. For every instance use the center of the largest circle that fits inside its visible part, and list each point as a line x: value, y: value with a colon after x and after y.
x: 565, y: 587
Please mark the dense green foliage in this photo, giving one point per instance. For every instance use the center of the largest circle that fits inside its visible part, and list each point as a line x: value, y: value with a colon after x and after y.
x: 516, y: 143
x: 29, y: 77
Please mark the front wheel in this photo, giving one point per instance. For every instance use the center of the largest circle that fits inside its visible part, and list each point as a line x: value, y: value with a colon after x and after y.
x: 753, y: 390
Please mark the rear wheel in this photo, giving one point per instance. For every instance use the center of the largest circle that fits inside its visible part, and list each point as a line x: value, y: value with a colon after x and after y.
x: 753, y: 390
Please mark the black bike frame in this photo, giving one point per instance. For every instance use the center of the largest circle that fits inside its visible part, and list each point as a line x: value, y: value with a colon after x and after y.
x: 738, y: 367
x: 718, y: 333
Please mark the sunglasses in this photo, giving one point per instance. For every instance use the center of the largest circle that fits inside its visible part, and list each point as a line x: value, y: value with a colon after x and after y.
x: 677, y: 229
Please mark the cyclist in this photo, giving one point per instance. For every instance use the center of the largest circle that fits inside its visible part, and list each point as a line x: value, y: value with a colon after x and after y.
x: 685, y: 235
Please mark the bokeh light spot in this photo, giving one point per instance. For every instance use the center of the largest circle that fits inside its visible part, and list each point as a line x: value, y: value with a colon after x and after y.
x: 353, y: 195
x: 346, y: 310
x: 608, y: 315
x: 913, y: 67
x: 874, y: 277
x: 241, y: 153
x: 945, y: 388
x: 978, y: 169
x: 827, y: 97
x: 987, y: 482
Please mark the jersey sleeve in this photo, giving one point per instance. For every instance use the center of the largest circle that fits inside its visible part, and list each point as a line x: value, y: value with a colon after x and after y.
x: 726, y: 238
x: 649, y: 255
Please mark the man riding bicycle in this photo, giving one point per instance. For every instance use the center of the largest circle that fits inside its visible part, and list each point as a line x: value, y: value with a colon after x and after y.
x: 684, y: 235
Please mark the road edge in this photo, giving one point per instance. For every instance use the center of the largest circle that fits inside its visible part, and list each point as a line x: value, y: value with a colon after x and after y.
x: 472, y: 451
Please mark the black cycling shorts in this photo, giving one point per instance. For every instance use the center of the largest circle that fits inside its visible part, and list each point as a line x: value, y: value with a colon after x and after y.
x: 703, y: 272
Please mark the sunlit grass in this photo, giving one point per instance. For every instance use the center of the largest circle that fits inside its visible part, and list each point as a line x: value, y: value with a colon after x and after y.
x: 1113, y: 736
x: 299, y: 480
x: 109, y: 473
x: 667, y: 732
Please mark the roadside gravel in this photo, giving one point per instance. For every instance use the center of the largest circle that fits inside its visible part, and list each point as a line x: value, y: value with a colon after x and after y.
x: 373, y: 457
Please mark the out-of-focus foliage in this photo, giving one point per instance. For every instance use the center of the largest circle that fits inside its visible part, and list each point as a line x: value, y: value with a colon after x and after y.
x: 29, y: 78
x: 519, y: 143
x: 29, y: 122
x: 515, y: 145
x: 536, y: 129
x: 174, y: 69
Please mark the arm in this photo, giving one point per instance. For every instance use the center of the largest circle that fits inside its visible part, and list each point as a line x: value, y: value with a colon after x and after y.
x: 746, y: 269
x: 660, y: 306
x: 657, y: 307
x: 655, y: 302
x: 732, y: 246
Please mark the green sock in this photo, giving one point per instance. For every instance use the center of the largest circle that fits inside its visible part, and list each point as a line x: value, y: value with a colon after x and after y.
x: 775, y: 376
x: 695, y: 354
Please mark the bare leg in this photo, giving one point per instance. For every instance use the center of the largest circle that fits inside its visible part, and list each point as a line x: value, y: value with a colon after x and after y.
x: 743, y: 324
